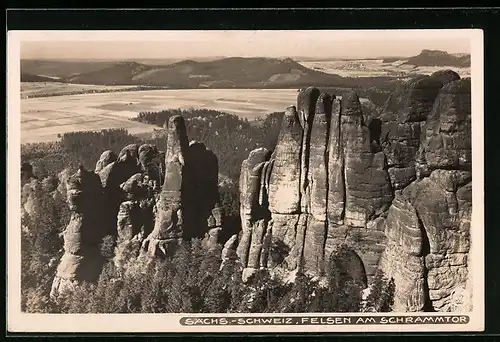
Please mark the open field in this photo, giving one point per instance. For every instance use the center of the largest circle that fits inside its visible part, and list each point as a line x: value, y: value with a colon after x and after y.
x: 376, y: 67
x: 42, y: 119
x: 37, y: 89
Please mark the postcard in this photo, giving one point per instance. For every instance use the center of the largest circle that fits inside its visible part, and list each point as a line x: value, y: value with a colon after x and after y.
x: 245, y: 181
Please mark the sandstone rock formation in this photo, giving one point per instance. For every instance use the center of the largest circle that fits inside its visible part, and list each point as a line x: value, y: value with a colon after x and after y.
x: 321, y: 184
x: 402, y: 122
x: 37, y: 196
x: 393, y: 195
x: 129, y: 197
x: 61, y: 190
x: 402, y: 118
x: 149, y: 163
x: 112, y: 175
x: 428, y: 225
x: 229, y: 251
x: 188, y: 205
x: 397, y: 193
x: 169, y: 220
x: 82, y: 237
x: 106, y: 158
x: 34, y: 200
x: 135, y: 219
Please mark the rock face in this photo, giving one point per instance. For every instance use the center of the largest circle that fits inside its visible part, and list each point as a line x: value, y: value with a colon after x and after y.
x: 396, y: 194
x: 135, y: 218
x: 106, y: 158
x: 428, y: 225
x: 130, y: 198
x: 402, y: 123
x: 82, y: 237
x: 321, y: 185
x: 149, y: 163
x: 229, y: 251
x: 402, y: 119
x: 112, y: 175
x: 156, y: 199
x: 188, y: 205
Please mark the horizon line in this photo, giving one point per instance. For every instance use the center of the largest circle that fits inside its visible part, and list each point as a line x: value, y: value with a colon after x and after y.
x: 187, y: 57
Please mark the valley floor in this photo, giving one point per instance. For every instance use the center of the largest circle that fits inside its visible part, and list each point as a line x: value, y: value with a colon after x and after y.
x: 43, y: 118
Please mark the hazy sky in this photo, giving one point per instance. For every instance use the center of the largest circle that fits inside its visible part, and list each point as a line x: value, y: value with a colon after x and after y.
x: 180, y: 44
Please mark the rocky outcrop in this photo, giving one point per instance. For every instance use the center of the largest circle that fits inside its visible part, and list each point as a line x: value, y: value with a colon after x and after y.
x: 203, y: 213
x: 149, y: 163
x: 112, y: 175
x: 132, y: 150
x: 446, y: 136
x: 34, y: 201
x: 168, y: 229
x: 188, y: 205
x: 229, y: 251
x: 428, y: 225
x: 402, y: 121
x: 321, y: 184
x: 144, y: 209
x: 391, y: 195
x: 82, y: 237
x: 135, y: 219
x: 122, y: 198
x: 394, y: 195
x: 32, y: 195
x: 446, y: 76
x: 106, y: 158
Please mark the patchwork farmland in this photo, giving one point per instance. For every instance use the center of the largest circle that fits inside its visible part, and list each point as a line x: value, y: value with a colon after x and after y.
x: 44, y: 118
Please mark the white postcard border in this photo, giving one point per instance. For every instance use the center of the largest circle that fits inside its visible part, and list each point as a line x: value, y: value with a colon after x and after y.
x: 130, y: 323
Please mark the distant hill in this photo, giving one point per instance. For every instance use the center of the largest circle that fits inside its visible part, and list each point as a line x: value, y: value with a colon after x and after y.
x: 392, y: 59
x: 69, y: 68
x: 439, y: 58
x: 231, y: 72
x: 35, y: 78
x: 223, y: 73
x: 61, y: 68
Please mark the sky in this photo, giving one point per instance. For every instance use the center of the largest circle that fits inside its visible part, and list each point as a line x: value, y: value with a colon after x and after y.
x: 199, y: 44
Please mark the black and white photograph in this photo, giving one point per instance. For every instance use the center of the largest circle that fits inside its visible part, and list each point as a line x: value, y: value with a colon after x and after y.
x: 187, y: 181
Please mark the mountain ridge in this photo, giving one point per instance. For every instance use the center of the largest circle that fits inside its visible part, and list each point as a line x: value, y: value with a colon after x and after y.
x: 229, y: 72
x: 439, y: 58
